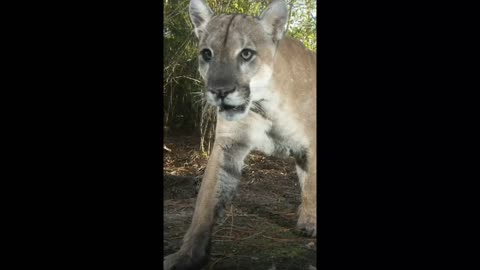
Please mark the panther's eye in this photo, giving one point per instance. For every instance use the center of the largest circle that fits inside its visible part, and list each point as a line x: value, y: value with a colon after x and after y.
x: 206, y: 54
x: 247, y: 54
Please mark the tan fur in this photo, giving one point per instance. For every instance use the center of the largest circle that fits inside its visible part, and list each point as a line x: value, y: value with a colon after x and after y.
x: 275, y: 93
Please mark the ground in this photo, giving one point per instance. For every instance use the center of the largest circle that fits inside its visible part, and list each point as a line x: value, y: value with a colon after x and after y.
x: 258, y: 229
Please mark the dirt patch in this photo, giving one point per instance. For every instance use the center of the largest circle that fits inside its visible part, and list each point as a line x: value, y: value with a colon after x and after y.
x: 257, y: 231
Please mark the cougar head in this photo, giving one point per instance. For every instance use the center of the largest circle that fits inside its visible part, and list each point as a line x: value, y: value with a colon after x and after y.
x: 236, y: 55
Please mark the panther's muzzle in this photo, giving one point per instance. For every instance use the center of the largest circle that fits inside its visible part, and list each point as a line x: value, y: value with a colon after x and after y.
x: 221, y: 92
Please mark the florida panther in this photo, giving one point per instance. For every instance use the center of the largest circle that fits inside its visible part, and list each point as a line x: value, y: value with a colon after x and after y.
x: 264, y: 88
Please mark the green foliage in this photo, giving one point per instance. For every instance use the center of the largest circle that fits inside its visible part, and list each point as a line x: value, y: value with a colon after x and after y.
x: 302, y: 23
x: 183, y: 107
x: 180, y: 72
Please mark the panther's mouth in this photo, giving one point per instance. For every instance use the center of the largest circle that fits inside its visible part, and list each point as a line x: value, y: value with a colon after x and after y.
x: 233, y: 109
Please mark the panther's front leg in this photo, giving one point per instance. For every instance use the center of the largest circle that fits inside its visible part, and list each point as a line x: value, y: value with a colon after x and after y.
x: 218, y: 185
x: 307, y: 173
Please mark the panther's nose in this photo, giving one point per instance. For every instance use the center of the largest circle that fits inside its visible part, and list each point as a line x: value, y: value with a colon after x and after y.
x: 221, y: 92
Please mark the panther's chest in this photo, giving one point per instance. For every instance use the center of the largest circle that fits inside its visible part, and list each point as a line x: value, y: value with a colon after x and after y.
x: 278, y: 133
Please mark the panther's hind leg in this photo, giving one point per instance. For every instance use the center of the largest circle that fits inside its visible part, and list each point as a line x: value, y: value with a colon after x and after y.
x: 220, y: 180
x: 306, y: 165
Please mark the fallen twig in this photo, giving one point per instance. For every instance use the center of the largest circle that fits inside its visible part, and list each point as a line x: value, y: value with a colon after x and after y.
x: 279, y: 239
x: 216, y: 261
x: 226, y: 228
x: 250, y: 236
x: 231, y: 224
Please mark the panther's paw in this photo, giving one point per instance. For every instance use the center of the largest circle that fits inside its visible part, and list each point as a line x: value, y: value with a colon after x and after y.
x: 307, y: 229
x: 180, y: 261
x: 307, y: 224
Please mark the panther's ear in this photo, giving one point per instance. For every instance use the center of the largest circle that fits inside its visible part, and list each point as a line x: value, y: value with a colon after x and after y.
x: 200, y: 14
x: 274, y: 18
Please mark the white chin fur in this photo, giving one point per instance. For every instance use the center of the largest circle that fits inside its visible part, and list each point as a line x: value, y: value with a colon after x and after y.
x: 232, y: 117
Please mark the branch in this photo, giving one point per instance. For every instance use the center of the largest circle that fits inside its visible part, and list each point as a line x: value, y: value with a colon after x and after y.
x: 166, y: 148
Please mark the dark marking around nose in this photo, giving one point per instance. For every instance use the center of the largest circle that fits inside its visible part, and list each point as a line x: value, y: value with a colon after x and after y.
x: 228, y: 28
x: 222, y: 91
